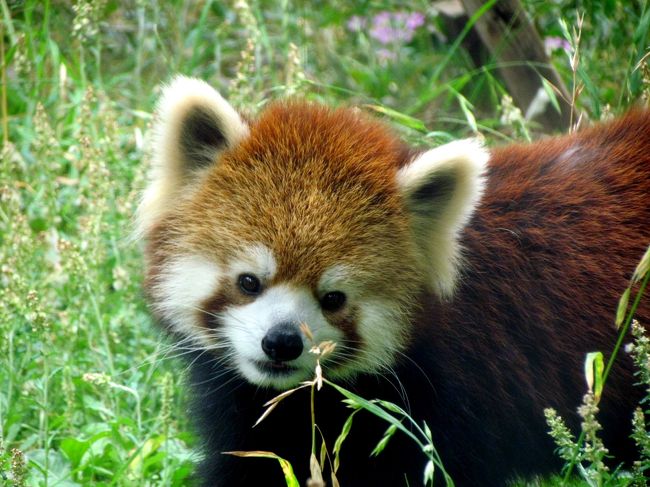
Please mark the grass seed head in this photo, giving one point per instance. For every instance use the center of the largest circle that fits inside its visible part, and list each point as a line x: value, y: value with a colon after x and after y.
x: 18, y: 467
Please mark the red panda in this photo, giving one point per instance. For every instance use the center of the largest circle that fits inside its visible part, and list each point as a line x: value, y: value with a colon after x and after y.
x: 463, y: 283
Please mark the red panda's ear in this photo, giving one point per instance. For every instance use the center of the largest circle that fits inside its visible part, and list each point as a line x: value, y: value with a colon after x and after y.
x: 441, y: 188
x: 193, y: 125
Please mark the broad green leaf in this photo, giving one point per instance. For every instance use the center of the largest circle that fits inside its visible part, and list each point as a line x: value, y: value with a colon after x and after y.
x: 74, y: 449
x: 150, y: 446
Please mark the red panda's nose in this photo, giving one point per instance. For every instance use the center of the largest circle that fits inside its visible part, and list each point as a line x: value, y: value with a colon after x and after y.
x: 282, y: 343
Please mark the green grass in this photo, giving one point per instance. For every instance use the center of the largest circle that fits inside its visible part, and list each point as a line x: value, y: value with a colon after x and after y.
x: 89, y: 391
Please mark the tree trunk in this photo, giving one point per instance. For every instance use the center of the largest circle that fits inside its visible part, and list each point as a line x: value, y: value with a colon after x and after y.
x: 515, y: 45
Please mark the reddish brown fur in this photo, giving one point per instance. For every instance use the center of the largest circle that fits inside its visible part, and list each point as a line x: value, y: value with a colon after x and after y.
x: 308, y: 232
x: 558, y: 233
x: 552, y: 245
x: 355, y: 209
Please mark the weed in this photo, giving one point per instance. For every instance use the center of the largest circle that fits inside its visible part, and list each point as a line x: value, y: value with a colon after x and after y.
x: 588, y: 452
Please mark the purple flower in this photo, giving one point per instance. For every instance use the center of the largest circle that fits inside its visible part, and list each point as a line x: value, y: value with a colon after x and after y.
x: 395, y: 27
x: 553, y: 43
x: 390, y: 29
x: 356, y: 23
x: 415, y: 20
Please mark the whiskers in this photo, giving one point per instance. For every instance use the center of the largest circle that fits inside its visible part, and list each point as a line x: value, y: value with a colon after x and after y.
x: 341, y: 366
x: 196, y: 346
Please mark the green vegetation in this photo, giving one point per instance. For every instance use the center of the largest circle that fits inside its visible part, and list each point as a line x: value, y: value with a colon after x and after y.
x: 90, y: 393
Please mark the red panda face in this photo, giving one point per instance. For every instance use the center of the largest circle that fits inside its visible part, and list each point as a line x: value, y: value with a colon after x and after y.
x: 307, y: 216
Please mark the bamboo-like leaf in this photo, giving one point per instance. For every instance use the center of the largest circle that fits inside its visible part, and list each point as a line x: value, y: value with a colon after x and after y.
x: 467, y: 107
x: 643, y: 267
x: 357, y: 402
x: 399, y: 117
x: 266, y: 412
x: 380, y: 446
x: 347, y: 426
x: 287, y: 469
x: 427, y: 432
x: 285, y: 394
x: 552, y: 92
x: 384, y: 441
x: 622, y: 307
x: 323, y: 454
x: 392, y: 407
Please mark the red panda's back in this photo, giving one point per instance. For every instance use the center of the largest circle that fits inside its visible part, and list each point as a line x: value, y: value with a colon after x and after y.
x: 549, y: 251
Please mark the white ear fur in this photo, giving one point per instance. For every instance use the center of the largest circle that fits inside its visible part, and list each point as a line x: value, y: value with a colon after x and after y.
x: 186, y: 106
x: 441, y: 188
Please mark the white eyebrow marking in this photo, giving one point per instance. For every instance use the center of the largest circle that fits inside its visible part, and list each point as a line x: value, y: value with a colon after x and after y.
x: 336, y: 276
x: 258, y: 259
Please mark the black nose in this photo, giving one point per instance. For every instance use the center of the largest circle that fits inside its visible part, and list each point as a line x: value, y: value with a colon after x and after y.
x: 282, y: 343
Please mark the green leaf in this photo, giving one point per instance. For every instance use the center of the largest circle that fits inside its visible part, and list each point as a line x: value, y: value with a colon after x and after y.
x: 287, y: 469
x: 427, y: 432
x: 149, y: 447
x: 594, y: 367
x: 441, y: 135
x: 347, y: 426
x: 643, y: 268
x: 622, y: 308
x: 400, y: 117
x: 74, y: 450
x: 384, y: 441
x: 373, y: 408
x: 323, y: 453
x: 591, y: 88
x: 429, y: 470
x: 467, y: 108
x: 392, y: 407
x: 551, y: 93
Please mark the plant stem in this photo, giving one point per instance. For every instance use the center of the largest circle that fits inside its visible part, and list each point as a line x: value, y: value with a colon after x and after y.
x: 626, y: 326
x: 3, y: 90
x: 313, y: 420
x: 621, y: 336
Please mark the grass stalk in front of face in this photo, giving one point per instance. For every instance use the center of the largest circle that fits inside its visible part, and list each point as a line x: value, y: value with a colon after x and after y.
x: 321, y: 460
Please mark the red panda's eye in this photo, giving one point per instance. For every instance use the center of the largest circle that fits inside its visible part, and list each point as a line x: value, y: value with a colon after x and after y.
x: 333, y: 301
x: 249, y: 284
